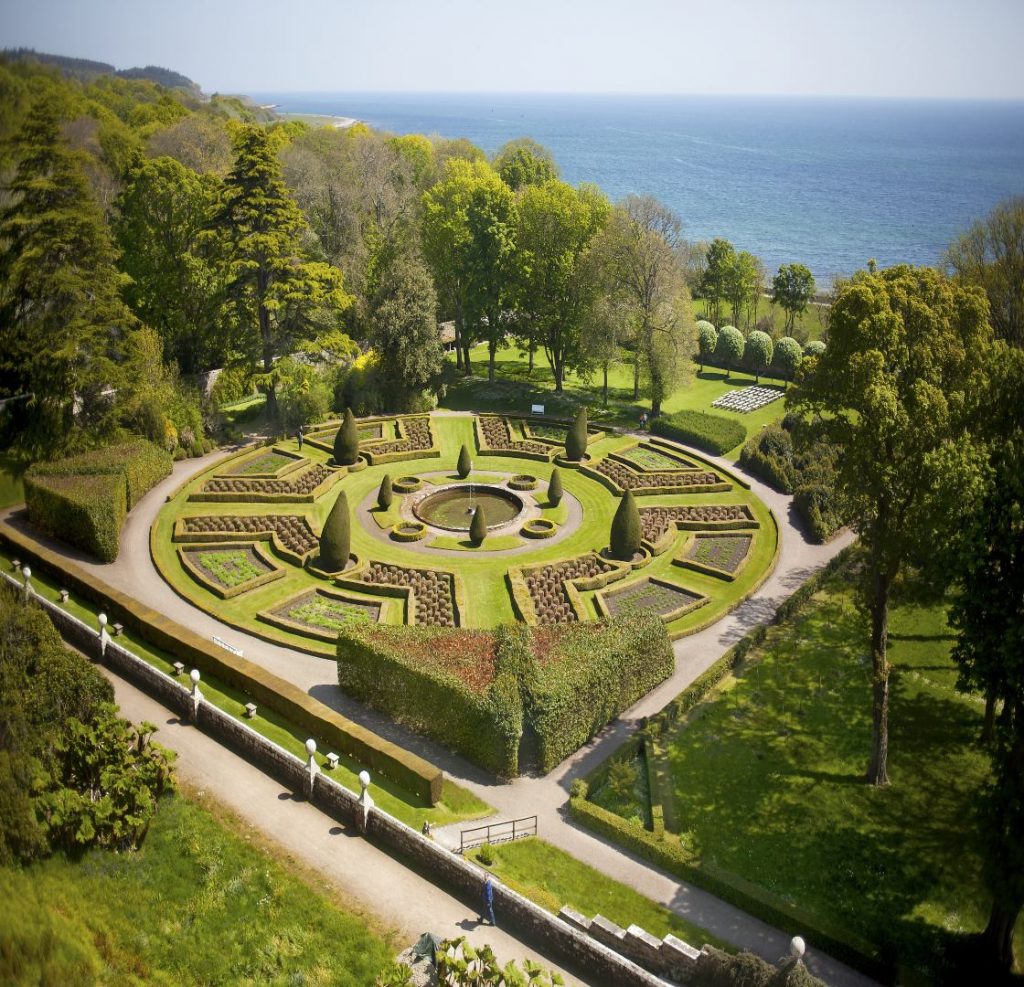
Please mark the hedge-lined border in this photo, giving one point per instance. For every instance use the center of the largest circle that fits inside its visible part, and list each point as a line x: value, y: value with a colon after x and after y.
x: 407, y: 770
x: 418, y: 534
x: 522, y: 601
x: 594, y: 434
x: 254, y: 497
x: 229, y: 592
x: 709, y: 570
x: 297, y: 627
x: 663, y: 447
x: 700, y: 459
x: 457, y: 589
x: 483, y: 449
x: 179, y: 535
x: 604, y: 610
x: 297, y: 462
x: 667, y: 540
x: 694, y: 488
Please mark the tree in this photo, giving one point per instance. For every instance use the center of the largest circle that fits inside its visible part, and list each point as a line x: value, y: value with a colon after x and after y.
x: 626, y: 530
x: 718, y: 261
x: 60, y: 306
x: 402, y: 328
x: 555, y: 492
x: 553, y: 287
x: 640, y: 251
x: 890, y: 393
x: 346, y: 440
x: 177, y: 284
x: 522, y: 162
x: 707, y: 340
x: 336, y: 538
x: 815, y: 348
x: 478, y: 526
x: 788, y: 354
x: 729, y: 349
x: 757, y: 353
x: 793, y: 288
x: 742, y: 284
x: 385, y: 495
x: 576, y: 437
x: 465, y: 464
x: 991, y: 254
x: 281, y: 296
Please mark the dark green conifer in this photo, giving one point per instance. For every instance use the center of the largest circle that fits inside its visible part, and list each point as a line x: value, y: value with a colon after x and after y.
x: 625, y: 533
x: 576, y: 437
x: 478, y: 527
x: 465, y: 463
x: 555, y: 488
x: 346, y: 442
x: 384, y: 495
x: 336, y: 538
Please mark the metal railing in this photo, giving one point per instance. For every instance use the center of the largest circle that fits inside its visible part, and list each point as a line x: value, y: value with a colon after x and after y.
x: 500, y: 832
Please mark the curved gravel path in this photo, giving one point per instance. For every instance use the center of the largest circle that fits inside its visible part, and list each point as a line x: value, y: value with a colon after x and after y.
x: 546, y: 797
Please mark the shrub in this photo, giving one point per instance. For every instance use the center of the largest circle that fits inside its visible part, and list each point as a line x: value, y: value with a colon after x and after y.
x: 576, y: 437
x: 346, y: 442
x: 707, y: 340
x: 384, y: 494
x: 729, y: 348
x: 336, y: 539
x: 714, y: 433
x: 814, y: 348
x: 787, y: 356
x: 769, y: 456
x: 555, y: 488
x: 625, y: 532
x: 478, y: 526
x: 757, y: 353
x: 465, y: 464
x: 579, y: 789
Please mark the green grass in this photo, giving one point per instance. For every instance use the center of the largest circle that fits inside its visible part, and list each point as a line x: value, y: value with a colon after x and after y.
x: 11, y: 490
x: 810, y: 323
x: 768, y: 780
x: 551, y: 878
x: 202, y: 902
x: 492, y: 543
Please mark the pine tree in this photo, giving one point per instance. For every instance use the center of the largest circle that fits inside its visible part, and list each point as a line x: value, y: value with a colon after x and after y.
x: 385, y: 495
x: 478, y: 526
x: 555, y: 487
x: 576, y: 437
x: 336, y: 538
x: 625, y: 533
x: 346, y: 441
x: 282, y: 297
x: 465, y: 464
x: 61, y: 312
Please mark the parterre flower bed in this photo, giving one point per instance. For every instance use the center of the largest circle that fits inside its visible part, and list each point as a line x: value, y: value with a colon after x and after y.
x: 626, y: 479
x: 649, y: 594
x: 293, y: 531
x: 656, y: 522
x: 298, y: 484
x: 547, y: 587
x: 723, y: 552
x: 328, y: 613
x: 435, y: 604
x: 497, y: 437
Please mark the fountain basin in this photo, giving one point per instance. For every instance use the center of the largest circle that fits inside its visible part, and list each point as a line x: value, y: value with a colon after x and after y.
x: 452, y: 507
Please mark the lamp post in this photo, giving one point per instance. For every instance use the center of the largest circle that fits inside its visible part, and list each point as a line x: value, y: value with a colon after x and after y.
x: 311, y: 766
x: 197, y: 696
x: 104, y: 637
x: 27, y: 573
x: 365, y: 800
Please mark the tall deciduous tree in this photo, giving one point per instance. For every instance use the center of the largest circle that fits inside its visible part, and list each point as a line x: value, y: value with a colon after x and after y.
x: 523, y: 162
x: 718, y: 261
x: 282, y: 297
x: 742, y: 285
x: 61, y: 311
x: 891, y: 392
x: 792, y: 290
x: 991, y: 254
x: 757, y: 353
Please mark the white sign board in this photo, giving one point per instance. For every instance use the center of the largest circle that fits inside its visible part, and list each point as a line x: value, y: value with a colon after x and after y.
x: 537, y: 409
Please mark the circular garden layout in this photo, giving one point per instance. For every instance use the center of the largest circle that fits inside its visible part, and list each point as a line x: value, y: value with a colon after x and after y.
x: 241, y: 540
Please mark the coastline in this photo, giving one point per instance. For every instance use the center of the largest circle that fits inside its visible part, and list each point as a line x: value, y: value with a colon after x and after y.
x: 321, y: 119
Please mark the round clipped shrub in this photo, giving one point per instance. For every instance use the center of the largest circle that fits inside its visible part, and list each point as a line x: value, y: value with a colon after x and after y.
x: 409, y: 531
x: 814, y: 348
x: 407, y: 484
x: 787, y: 356
x: 576, y: 437
x: 465, y: 463
x: 625, y: 533
x: 707, y: 340
x: 555, y: 488
x: 758, y: 352
x: 539, y: 527
x: 522, y: 481
x: 384, y: 494
x: 729, y: 348
x: 336, y: 538
x: 478, y: 527
x: 346, y: 442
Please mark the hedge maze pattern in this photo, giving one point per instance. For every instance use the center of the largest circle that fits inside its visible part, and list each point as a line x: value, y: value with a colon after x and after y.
x: 497, y: 436
x: 549, y: 592
x: 434, y: 590
x: 626, y: 479
x: 292, y: 530
x: 656, y: 522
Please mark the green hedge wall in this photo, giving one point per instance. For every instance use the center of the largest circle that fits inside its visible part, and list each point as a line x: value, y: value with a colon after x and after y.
x: 83, y: 499
x: 698, y: 428
x: 592, y: 672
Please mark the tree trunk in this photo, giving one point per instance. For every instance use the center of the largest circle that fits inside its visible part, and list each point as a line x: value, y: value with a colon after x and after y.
x: 989, y: 724
x: 877, y: 767
x: 655, y: 408
x: 467, y: 368
x: 606, y: 384
x: 997, y: 939
x: 636, y: 377
x: 458, y: 336
x: 559, y: 374
x: 492, y: 350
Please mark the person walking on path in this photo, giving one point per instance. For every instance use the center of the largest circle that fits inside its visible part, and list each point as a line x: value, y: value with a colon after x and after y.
x: 488, y: 913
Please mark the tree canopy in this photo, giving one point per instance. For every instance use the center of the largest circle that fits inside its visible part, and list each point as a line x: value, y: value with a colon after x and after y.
x: 792, y: 289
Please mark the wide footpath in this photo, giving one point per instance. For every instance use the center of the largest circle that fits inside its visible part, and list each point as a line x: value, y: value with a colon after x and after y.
x: 289, y: 822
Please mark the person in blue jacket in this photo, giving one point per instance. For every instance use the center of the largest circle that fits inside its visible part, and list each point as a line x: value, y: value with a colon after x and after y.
x: 488, y: 914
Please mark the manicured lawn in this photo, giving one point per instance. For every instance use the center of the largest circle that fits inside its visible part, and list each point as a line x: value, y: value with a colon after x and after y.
x: 812, y: 321
x: 11, y: 491
x: 768, y: 780
x: 202, y: 902
x: 551, y: 878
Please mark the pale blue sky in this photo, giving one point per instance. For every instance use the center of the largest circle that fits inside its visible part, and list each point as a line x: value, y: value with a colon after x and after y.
x: 901, y: 48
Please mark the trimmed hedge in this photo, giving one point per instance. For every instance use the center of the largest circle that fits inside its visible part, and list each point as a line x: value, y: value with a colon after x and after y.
x: 83, y: 500
x: 405, y: 769
x: 714, y: 433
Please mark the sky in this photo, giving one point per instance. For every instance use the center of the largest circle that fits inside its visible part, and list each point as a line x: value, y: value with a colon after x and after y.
x: 876, y: 48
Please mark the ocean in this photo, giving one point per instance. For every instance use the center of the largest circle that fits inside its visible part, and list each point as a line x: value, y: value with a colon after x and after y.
x: 825, y: 182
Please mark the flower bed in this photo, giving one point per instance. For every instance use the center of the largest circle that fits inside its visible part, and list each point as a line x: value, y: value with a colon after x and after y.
x: 666, y: 600
x: 228, y: 570
x: 409, y: 531
x: 523, y: 481
x: 291, y: 531
x: 681, y: 481
x: 539, y: 527
x: 657, y: 522
x: 269, y: 464
x: 496, y: 436
x: 321, y: 613
x: 548, y: 588
x: 649, y: 459
x: 301, y: 484
x: 719, y: 555
x: 434, y: 591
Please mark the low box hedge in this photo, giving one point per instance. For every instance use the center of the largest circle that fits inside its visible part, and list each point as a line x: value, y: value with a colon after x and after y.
x: 713, y: 433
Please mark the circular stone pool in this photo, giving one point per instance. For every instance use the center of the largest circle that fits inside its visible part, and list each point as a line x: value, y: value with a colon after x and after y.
x: 453, y: 507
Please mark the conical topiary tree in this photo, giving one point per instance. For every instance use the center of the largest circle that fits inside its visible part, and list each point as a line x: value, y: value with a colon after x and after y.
x: 625, y: 533
x: 336, y: 538
x: 465, y: 464
x: 478, y: 526
x: 346, y: 442
x: 384, y: 495
x: 576, y: 437
x: 555, y: 487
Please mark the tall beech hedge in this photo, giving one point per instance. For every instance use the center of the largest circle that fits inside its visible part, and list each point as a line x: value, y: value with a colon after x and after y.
x: 83, y: 499
x: 713, y: 433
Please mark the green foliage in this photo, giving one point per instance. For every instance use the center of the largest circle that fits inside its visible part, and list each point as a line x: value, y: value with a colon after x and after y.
x: 792, y: 289
x: 787, y: 356
x: 336, y: 539
x: 384, y: 494
x: 729, y: 348
x: 713, y: 283
x: 465, y: 464
x: 576, y: 437
x: 624, y: 538
x: 815, y: 347
x: 758, y: 352
x: 714, y: 433
x: 716, y: 968
x: 769, y: 456
x: 478, y: 526
x: 461, y: 965
x: 346, y: 441
x: 555, y: 491
x: 523, y: 162
x: 707, y: 341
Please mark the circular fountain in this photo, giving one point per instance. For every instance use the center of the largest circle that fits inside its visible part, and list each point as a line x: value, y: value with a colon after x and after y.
x: 452, y: 507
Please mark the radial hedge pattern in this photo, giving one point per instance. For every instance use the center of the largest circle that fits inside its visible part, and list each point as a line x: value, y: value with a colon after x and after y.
x: 707, y: 540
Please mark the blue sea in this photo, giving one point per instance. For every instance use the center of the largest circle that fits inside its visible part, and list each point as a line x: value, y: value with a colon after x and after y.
x: 825, y: 182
